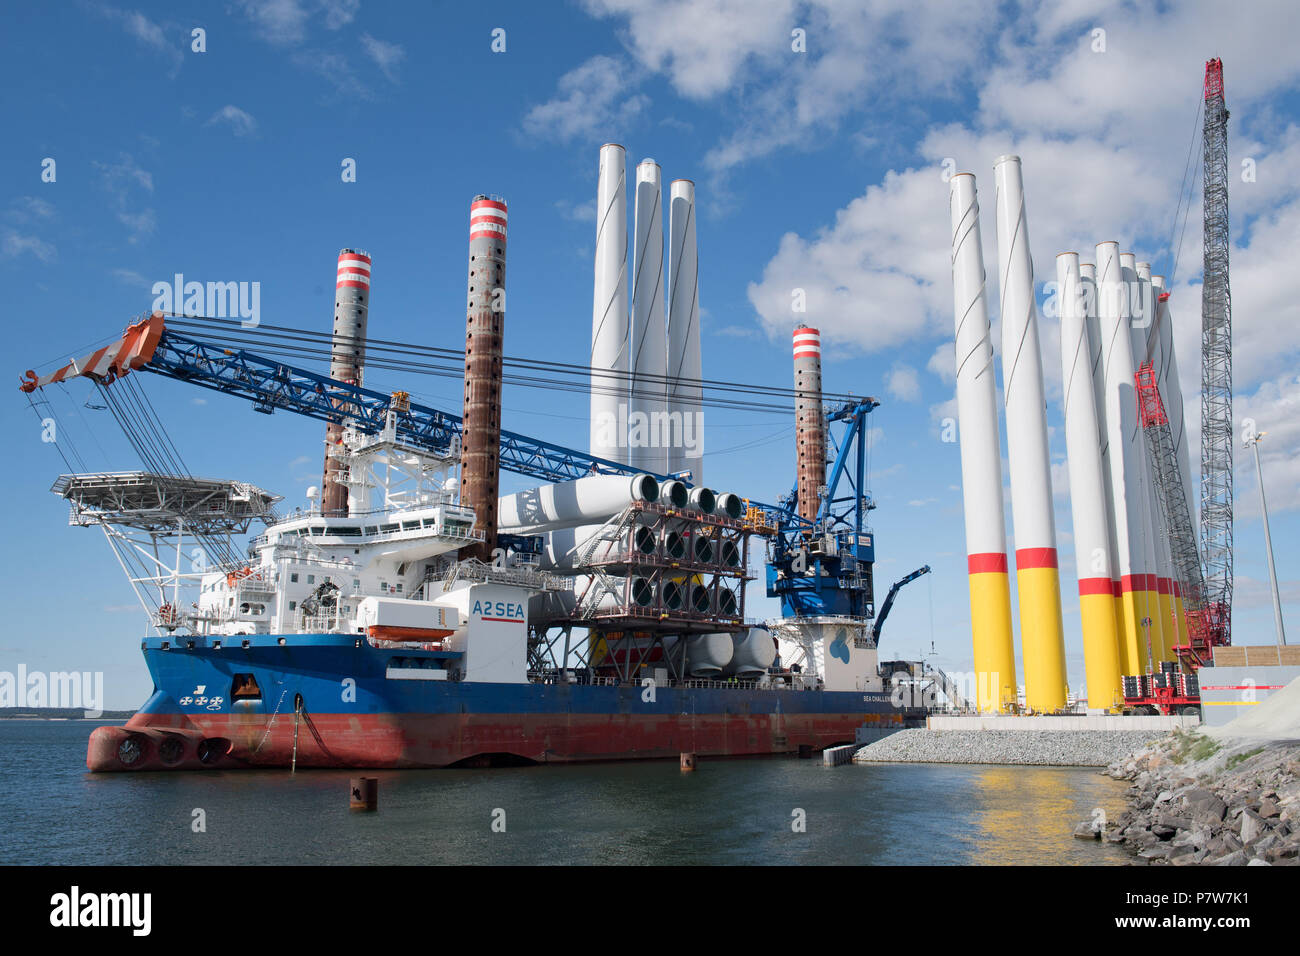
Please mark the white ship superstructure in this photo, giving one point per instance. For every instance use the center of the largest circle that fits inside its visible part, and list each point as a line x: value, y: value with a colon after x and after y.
x: 315, y: 573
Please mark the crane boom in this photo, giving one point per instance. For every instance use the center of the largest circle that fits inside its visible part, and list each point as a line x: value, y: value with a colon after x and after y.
x: 149, y: 346
x: 889, y: 600
x: 1216, y: 358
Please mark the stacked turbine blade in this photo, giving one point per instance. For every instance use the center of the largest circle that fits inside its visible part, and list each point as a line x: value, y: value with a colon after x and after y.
x: 649, y: 335
x: 609, y: 316
x: 646, y: 389
x: 684, y: 364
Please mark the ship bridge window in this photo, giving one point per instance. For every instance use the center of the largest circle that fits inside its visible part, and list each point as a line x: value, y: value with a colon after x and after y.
x: 293, y: 578
x: 350, y: 531
x: 244, y: 687
x: 388, y: 527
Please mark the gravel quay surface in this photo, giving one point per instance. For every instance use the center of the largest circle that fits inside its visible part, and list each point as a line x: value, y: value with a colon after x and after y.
x: 1087, y: 748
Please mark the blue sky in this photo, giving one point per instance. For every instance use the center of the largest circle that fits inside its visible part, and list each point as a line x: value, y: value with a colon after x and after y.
x: 820, y: 170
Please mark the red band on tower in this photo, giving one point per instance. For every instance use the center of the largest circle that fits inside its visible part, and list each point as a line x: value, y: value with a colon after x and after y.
x: 989, y: 563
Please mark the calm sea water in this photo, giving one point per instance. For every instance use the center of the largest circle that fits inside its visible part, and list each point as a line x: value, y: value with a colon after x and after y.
x: 727, y: 812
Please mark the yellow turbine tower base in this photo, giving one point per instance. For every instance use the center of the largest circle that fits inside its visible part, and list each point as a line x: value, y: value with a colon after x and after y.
x: 1168, y: 626
x: 1148, y: 606
x: 1042, y: 636
x: 990, y: 619
x: 1182, y: 618
x: 1117, y: 609
x: 1100, y: 644
x: 1133, y: 653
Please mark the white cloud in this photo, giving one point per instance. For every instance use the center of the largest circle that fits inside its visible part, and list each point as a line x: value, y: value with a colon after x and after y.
x: 1060, y: 481
x: 386, y: 55
x: 943, y: 410
x: 875, y: 279
x: 130, y: 277
x: 335, y: 68
x: 30, y: 209
x: 285, y: 22
x: 1250, y: 592
x: 140, y: 223
x: 857, y: 57
x: 14, y: 245
x: 577, y: 211
x: 339, y: 13
x: 147, y: 32
x: 943, y: 364
x: 119, y: 180
x: 594, y: 99
x: 240, y: 122
x: 280, y: 22
x: 902, y: 383
x: 125, y: 172
x: 1274, y: 408
x: 703, y: 47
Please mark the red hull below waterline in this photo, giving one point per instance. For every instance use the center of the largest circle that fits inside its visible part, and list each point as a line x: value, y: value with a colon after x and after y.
x: 226, y: 741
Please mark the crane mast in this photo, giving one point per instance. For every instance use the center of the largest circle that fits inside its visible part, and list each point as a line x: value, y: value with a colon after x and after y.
x: 1216, y: 364
x: 1177, y: 519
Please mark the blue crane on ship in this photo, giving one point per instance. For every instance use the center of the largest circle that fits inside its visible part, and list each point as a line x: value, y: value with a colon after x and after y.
x: 816, y: 568
x: 823, y: 567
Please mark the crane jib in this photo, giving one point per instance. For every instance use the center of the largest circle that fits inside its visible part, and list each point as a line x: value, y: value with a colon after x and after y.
x: 149, y: 346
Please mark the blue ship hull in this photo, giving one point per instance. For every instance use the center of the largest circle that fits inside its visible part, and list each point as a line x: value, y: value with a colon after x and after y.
x: 332, y: 700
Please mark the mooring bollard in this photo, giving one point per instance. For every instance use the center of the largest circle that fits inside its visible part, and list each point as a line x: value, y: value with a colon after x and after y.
x: 364, y: 793
x: 688, y: 761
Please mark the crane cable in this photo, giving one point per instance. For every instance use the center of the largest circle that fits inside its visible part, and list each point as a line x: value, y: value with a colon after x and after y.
x: 1185, y: 190
x: 222, y: 329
